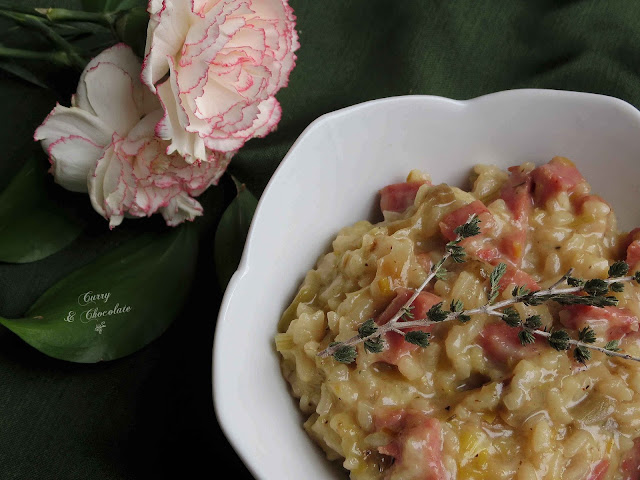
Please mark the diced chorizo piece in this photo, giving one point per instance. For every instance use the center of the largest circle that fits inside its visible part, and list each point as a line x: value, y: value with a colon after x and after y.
x: 397, y: 346
x: 633, y: 255
x: 632, y: 248
x: 399, y: 196
x: 517, y: 193
x: 631, y: 462
x: 559, y: 175
x: 421, y: 305
x: 501, y: 344
x: 515, y: 276
x: 392, y: 449
x: 612, y: 323
x: 487, y: 252
x: 418, y: 448
x: 460, y: 216
x: 402, y: 295
x: 393, y: 419
x: 599, y: 470
x: 631, y: 237
x: 512, y: 245
x: 484, y: 246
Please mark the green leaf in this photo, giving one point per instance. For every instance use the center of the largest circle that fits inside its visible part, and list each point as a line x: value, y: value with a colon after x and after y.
x: 559, y: 340
x: 32, y: 226
x: 533, y: 322
x: 418, y: 337
x: 520, y: 291
x: 232, y: 234
x: 511, y: 317
x: 470, y: 228
x: 374, y: 345
x: 596, y: 287
x: 141, y: 285
x: 457, y: 306
x: 570, y: 299
x: 618, y: 269
x: 457, y: 252
x: 367, y: 329
x: 526, y: 337
x: 441, y: 273
x: 617, y: 287
x: 575, y: 282
x: 612, y: 346
x: 436, y: 314
x: 582, y: 354
x: 345, y: 354
x: 22, y: 73
x: 494, y: 280
x: 406, y: 313
x: 587, y: 335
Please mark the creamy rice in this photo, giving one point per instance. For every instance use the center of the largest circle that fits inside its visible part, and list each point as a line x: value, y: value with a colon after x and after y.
x: 469, y: 406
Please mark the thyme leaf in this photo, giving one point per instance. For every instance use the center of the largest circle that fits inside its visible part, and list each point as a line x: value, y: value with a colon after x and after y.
x: 418, y: 337
x: 345, y: 354
x: 593, y: 292
x: 374, y: 345
x: 367, y: 329
x: 494, y: 281
x: 618, y: 269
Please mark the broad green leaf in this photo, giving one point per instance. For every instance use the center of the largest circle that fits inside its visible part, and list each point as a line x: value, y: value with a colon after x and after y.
x: 232, y: 234
x: 32, y: 226
x: 22, y: 73
x: 115, y: 305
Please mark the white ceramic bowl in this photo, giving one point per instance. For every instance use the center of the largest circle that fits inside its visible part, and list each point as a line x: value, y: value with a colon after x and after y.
x: 330, y: 178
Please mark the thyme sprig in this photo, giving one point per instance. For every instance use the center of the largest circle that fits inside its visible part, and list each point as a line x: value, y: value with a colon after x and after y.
x: 346, y: 349
x: 594, y: 292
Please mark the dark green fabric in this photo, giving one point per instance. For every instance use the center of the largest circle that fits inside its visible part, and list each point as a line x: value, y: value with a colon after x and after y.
x: 150, y: 415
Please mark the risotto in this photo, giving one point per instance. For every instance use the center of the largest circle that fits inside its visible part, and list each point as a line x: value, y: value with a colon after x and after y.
x: 475, y: 403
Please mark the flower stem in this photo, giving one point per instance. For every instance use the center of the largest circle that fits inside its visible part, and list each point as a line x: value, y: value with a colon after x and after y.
x: 40, y: 25
x: 106, y: 19
x: 59, y: 58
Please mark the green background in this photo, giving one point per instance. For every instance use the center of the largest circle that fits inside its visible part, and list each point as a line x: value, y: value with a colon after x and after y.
x: 150, y: 415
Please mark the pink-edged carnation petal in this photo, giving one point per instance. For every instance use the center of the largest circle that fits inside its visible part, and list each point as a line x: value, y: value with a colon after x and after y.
x: 136, y: 177
x: 181, y: 207
x: 110, y: 100
x: 226, y: 60
x: 80, y: 155
x: 65, y: 122
x: 110, y: 91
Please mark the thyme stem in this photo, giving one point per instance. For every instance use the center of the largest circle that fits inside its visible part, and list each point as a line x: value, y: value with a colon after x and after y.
x: 596, y: 291
x: 578, y: 343
x: 393, y: 324
x: 493, y: 309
